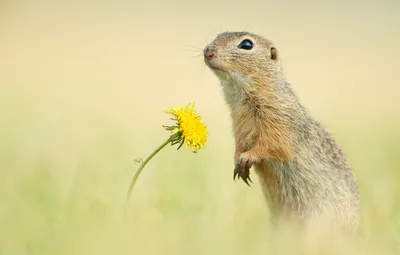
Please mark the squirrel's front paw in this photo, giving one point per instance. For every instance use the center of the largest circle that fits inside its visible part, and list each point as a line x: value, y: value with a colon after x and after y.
x: 242, y: 168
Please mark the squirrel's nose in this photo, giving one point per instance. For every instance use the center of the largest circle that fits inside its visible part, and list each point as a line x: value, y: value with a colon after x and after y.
x: 208, y: 53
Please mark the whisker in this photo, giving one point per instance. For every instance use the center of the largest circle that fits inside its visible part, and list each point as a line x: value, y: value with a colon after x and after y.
x: 194, y: 48
x: 248, y: 27
x: 201, y: 64
x: 197, y: 56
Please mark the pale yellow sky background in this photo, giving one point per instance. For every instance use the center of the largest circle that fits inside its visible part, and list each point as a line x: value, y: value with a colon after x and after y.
x: 125, y: 61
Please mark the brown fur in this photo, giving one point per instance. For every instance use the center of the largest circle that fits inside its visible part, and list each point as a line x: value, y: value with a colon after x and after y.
x: 303, y: 172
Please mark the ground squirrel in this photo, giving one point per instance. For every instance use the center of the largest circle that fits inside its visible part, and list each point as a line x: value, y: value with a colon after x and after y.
x: 303, y: 172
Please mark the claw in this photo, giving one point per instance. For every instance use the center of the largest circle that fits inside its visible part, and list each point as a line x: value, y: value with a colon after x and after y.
x: 246, y: 181
x: 249, y: 179
x: 236, y: 173
x: 246, y: 176
x: 243, y: 171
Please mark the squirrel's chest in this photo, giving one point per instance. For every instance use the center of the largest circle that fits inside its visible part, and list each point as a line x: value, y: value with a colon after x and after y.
x: 245, y: 128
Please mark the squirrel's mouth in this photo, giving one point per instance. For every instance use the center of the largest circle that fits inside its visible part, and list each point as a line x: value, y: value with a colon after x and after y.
x: 211, y: 58
x: 218, y: 71
x: 212, y: 65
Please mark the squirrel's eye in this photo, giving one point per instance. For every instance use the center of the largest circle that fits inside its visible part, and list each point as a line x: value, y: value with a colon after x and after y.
x: 246, y: 44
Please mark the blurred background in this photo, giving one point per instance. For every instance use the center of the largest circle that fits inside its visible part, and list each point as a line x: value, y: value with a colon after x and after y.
x: 83, y: 86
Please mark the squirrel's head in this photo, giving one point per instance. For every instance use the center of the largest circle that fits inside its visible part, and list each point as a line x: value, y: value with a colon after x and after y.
x: 242, y: 57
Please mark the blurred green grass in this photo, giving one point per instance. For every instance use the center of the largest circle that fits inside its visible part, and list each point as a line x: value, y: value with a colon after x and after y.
x: 183, y: 203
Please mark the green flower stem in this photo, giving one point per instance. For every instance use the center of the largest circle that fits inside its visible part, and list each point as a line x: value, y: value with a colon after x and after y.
x: 144, y: 163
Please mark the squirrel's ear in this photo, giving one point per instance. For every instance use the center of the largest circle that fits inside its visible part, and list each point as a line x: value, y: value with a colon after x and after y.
x: 274, y: 53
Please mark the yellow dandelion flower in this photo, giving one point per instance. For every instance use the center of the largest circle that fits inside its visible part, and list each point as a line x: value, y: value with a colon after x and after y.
x: 188, y: 127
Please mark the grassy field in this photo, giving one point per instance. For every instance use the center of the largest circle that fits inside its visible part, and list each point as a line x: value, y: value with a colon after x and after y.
x: 82, y: 94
